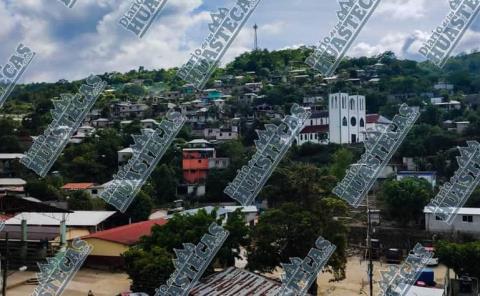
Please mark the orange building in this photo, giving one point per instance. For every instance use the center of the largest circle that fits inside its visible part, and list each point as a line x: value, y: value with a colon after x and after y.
x: 195, y: 164
x: 198, y: 158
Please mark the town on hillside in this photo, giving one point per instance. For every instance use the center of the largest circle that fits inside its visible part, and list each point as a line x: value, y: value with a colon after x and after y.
x: 131, y: 249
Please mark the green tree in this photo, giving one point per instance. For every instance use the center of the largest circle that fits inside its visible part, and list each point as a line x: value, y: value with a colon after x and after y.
x: 474, y: 200
x: 134, y: 90
x: 141, y: 207
x: 216, y: 182
x: 80, y: 201
x: 462, y: 258
x: 340, y: 162
x: 149, y: 263
x: 10, y: 144
x: 404, y: 200
x: 148, y: 269
x: 291, y: 231
x: 294, y: 182
x: 164, y: 184
x: 42, y: 190
x: 432, y: 115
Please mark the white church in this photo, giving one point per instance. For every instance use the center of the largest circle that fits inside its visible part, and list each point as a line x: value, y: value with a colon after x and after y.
x: 346, y: 122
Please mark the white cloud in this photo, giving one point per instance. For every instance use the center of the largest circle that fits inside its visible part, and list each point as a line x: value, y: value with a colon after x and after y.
x: 403, y: 9
x: 72, y: 43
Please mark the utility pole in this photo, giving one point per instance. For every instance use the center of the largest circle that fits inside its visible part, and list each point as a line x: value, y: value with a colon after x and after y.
x: 5, y: 268
x: 369, y: 239
x: 255, y: 42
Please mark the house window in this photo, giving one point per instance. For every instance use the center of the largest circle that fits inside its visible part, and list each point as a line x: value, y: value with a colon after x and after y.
x: 311, y: 136
x: 343, y: 103
x: 311, y: 121
x: 344, y: 121
x: 94, y: 191
x: 468, y: 219
x: 352, y: 104
x: 362, y: 123
x: 199, y: 161
x: 438, y: 218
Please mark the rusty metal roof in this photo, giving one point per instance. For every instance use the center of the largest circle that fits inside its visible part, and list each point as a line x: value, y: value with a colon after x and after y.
x: 236, y: 282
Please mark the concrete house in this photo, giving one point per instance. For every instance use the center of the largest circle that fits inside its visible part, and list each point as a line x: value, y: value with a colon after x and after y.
x: 467, y: 221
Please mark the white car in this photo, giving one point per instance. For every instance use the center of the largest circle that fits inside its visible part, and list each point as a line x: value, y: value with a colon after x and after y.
x: 432, y: 261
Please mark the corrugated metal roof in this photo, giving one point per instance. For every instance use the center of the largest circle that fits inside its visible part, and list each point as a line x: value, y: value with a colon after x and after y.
x: 245, y: 209
x: 12, y: 182
x: 461, y: 211
x: 5, y: 156
x: 77, y: 218
x: 236, y: 282
x: 77, y: 186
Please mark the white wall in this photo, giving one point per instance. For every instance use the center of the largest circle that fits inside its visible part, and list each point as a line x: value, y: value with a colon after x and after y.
x: 433, y: 225
x: 351, y: 109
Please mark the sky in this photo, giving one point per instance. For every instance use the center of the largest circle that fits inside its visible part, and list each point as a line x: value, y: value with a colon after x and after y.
x: 73, y: 43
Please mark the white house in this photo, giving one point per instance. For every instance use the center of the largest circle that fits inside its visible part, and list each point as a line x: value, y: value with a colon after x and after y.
x: 250, y: 212
x: 347, y: 117
x: 377, y: 121
x: 312, y: 100
x: 466, y: 221
x: 93, y: 189
x: 82, y: 133
x: 443, y: 86
x: 448, y: 106
x: 462, y: 126
x: 7, y: 161
x: 129, y: 109
x: 315, y: 129
x: 248, y: 98
x: 124, y: 155
x: 220, y: 133
x: 42, y: 225
x: 254, y: 86
x: 102, y: 123
x: 149, y: 123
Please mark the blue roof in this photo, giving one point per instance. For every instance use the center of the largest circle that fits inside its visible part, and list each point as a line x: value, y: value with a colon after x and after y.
x: 416, y: 173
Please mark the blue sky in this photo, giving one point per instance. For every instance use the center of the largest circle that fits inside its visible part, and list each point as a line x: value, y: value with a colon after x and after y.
x: 72, y: 43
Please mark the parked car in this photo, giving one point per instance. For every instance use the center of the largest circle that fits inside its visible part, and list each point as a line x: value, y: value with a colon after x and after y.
x: 432, y: 261
x: 394, y: 256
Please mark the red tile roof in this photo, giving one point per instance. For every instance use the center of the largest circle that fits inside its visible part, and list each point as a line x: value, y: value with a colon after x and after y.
x: 77, y: 186
x: 315, y: 129
x: 127, y: 234
x: 373, y: 118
